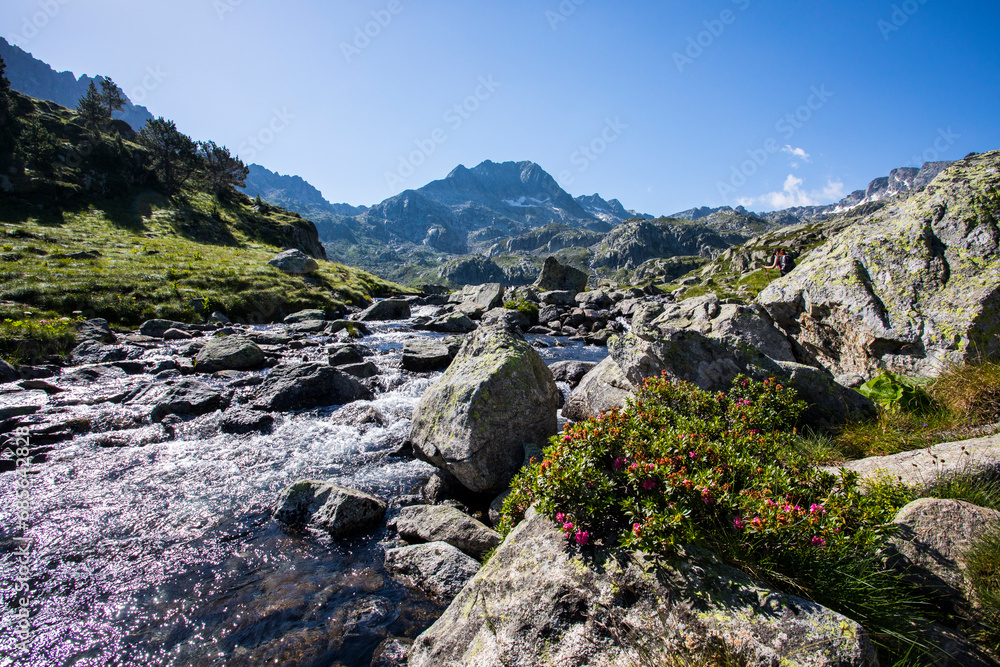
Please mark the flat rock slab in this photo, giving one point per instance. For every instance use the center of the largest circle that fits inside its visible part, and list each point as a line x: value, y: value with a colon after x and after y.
x: 20, y: 403
x: 923, y: 468
x: 307, y: 385
x: 437, y: 568
x: 235, y: 353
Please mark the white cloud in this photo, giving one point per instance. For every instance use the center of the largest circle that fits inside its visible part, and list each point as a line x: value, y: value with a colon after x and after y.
x: 796, y: 152
x: 792, y: 194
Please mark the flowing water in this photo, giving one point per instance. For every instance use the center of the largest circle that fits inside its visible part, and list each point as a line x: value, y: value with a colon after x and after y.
x: 152, y: 547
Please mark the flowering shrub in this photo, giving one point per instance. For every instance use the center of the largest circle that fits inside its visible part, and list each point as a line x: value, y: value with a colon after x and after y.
x: 681, y: 465
x: 29, y: 339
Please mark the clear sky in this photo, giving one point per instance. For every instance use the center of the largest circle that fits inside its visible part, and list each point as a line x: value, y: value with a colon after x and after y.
x: 664, y: 104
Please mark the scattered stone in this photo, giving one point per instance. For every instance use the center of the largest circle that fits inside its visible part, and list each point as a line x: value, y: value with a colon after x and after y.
x: 421, y: 355
x: 496, y: 508
x: 96, y: 329
x: 506, y: 316
x: 391, y: 652
x: 442, y: 523
x: 560, y: 277
x: 456, y: 323
x: 306, y: 316
x: 241, y: 421
x: 364, y: 370
x: 294, y: 262
x: 338, y: 510
x: 571, y: 372
x: 496, y: 395
x: 603, y: 387
x: 42, y: 385
x: 437, y: 568
x: 389, y: 309
x: 93, y: 352
x: 8, y: 373
x: 156, y: 328
x: 307, y: 385
x: 595, y: 299
x: 558, y: 298
x: 236, y: 353
x: 486, y: 296
x: 219, y: 318
x: 346, y: 354
x: 176, y: 334
x: 186, y: 397
x: 354, y: 329
x: 93, y: 374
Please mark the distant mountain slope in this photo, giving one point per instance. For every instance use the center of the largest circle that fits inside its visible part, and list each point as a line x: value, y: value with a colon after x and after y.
x: 293, y: 193
x: 32, y: 77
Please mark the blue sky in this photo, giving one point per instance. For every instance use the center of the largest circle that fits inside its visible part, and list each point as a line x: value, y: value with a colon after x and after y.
x: 665, y: 105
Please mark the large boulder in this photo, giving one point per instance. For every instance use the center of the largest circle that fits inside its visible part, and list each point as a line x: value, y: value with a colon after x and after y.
x: 495, y: 396
x: 603, y: 387
x: 338, y: 510
x: 229, y: 353
x: 437, y: 568
x: 538, y: 601
x: 456, y: 323
x: 488, y: 295
x: 156, y: 328
x: 95, y: 329
x: 911, y: 286
x: 388, y: 309
x: 711, y: 364
x: 308, y: 315
x: 443, y: 523
x: 570, y: 371
x: 308, y: 385
x: 931, y: 539
x: 8, y: 373
x: 294, y: 261
x: 560, y: 277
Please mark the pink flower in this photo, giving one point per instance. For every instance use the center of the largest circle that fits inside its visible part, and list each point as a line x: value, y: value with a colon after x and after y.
x: 755, y: 522
x: 560, y: 517
x: 691, y: 454
x: 816, y: 509
x: 739, y: 523
x: 649, y: 485
x: 619, y: 462
x: 818, y: 541
x: 568, y: 526
x: 567, y: 438
x: 582, y: 536
x: 636, y: 529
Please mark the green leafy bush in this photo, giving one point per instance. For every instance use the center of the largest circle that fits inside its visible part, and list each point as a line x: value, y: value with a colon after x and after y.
x: 29, y: 339
x: 679, y: 465
x: 897, y: 391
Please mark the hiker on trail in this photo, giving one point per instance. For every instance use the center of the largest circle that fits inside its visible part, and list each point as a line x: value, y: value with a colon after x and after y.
x: 782, y: 261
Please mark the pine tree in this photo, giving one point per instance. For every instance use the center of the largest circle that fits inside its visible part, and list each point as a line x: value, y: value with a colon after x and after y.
x: 91, y: 108
x: 224, y: 172
x: 9, y: 126
x: 112, y: 96
x: 174, y: 154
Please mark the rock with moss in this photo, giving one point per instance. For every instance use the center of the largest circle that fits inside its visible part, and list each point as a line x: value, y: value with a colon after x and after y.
x: 910, y: 286
x: 338, y: 510
x: 495, y: 396
x: 235, y: 353
x: 294, y: 262
x: 539, y: 601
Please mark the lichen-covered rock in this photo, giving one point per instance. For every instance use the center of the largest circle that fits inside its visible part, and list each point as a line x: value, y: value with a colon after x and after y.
x: 338, y: 510
x: 931, y: 540
x: 443, y: 523
x: 736, y: 324
x: 437, y: 568
x: 495, y: 396
x: 909, y: 287
x: 560, y: 277
x: 294, y: 262
x: 231, y: 353
x: 538, y: 601
x: 308, y: 315
x: 487, y: 295
x: 602, y: 388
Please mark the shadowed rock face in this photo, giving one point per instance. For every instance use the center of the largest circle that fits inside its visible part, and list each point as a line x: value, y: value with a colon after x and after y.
x: 607, y: 608
x: 495, y: 396
x: 912, y: 285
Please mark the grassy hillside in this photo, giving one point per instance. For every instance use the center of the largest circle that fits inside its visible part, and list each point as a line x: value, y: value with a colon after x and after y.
x: 87, y: 228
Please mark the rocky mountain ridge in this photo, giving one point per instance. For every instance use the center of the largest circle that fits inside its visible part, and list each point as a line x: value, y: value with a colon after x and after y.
x: 34, y: 78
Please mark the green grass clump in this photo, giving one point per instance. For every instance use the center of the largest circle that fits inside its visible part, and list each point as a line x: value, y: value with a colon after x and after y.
x: 31, y: 338
x: 983, y: 562
x: 679, y: 466
x: 524, y: 306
